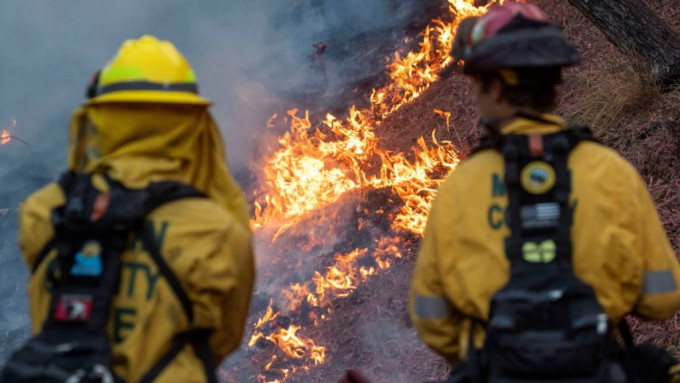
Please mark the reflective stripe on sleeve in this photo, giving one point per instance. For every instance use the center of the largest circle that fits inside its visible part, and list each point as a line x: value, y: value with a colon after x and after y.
x: 431, y: 307
x: 659, y: 282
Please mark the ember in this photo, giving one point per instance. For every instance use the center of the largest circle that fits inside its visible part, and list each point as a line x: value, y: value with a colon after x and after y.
x: 317, y: 165
x: 446, y: 115
x: 5, y: 138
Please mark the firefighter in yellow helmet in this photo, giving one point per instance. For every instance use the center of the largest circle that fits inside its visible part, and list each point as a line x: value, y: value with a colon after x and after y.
x: 508, y: 233
x: 146, y: 123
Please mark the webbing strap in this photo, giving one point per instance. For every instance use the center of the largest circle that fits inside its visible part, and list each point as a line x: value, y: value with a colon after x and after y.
x: 161, y: 193
x: 491, y: 140
x: 49, y: 246
x: 511, y: 153
x: 180, y: 342
x: 474, y: 364
x: 146, y: 234
x: 65, y: 182
x: 201, y: 344
x: 626, y: 334
x: 494, y: 140
x: 200, y: 341
x: 562, y: 238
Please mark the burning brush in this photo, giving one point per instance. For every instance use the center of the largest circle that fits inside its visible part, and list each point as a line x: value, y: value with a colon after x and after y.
x: 6, y: 137
x: 337, y: 167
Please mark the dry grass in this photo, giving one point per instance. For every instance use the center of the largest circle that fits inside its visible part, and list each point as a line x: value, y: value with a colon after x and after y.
x: 455, y: 95
x: 613, y: 94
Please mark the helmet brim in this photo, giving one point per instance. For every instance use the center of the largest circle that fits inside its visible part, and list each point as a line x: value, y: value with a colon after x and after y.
x: 531, y: 48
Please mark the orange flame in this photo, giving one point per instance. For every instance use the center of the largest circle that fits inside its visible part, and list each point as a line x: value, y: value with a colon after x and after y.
x: 268, y: 315
x: 317, y: 164
x: 291, y: 344
x: 446, y: 115
x: 5, y: 138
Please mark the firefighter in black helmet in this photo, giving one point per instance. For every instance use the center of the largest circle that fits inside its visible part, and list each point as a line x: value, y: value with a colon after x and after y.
x: 513, y: 217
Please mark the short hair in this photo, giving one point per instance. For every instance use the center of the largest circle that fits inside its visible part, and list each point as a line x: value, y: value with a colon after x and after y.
x: 526, y: 87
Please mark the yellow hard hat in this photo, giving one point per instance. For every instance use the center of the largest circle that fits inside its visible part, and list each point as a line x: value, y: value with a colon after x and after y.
x: 147, y: 70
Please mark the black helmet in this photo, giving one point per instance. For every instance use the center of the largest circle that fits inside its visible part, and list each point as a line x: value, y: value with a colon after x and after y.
x: 512, y: 36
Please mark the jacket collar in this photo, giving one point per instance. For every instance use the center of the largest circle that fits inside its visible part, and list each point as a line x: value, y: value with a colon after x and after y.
x: 525, y: 124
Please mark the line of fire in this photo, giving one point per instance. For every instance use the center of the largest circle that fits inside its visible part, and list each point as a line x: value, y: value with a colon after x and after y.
x: 329, y: 173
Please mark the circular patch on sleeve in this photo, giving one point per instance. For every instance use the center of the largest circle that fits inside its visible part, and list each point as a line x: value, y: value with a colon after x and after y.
x: 538, y: 177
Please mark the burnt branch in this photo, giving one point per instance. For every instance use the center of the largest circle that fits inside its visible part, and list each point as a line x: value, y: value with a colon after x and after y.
x: 636, y: 30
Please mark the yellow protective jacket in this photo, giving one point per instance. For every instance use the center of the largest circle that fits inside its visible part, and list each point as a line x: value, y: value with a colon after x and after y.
x: 206, y: 242
x: 619, y: 245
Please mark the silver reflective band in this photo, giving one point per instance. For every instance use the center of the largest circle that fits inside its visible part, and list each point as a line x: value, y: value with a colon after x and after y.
x: 431, y: 307
x: 659, y: 282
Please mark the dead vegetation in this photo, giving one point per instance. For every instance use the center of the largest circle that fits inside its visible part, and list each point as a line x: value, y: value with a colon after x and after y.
x: 613, y: 94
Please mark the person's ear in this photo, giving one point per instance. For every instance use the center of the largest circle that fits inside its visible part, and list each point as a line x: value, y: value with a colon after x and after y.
x: 496, y: 89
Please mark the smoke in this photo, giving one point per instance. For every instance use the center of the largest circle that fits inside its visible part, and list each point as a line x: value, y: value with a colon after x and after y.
x: 251, y: 59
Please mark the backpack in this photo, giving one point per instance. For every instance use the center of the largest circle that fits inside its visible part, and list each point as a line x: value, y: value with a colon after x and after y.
x: 92, y: 230
x: 545, y: 324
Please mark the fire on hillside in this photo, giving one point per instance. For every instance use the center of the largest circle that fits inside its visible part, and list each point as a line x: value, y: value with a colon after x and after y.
x: 331, y: 177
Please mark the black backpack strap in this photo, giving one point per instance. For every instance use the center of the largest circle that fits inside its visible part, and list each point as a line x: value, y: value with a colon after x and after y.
x: 512, y: 145
x: 49, y: 246
x: 159, y: 194
x: 166, y: 191
x: 199, y: 339
x: 178, y: 345
x: 626, y: 334
x: 561, y: 149
x: 146, y: 234
x: 65, y: 182
x: 491, y: 140
x: 475, y: 365
x: 494, y: 140
x: 580, y: 133
x: 202, y: 348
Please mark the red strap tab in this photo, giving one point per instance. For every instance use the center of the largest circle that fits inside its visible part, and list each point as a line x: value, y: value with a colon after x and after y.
x: 73, y: 308
x: 536, y: 145
x: 101, y: 204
